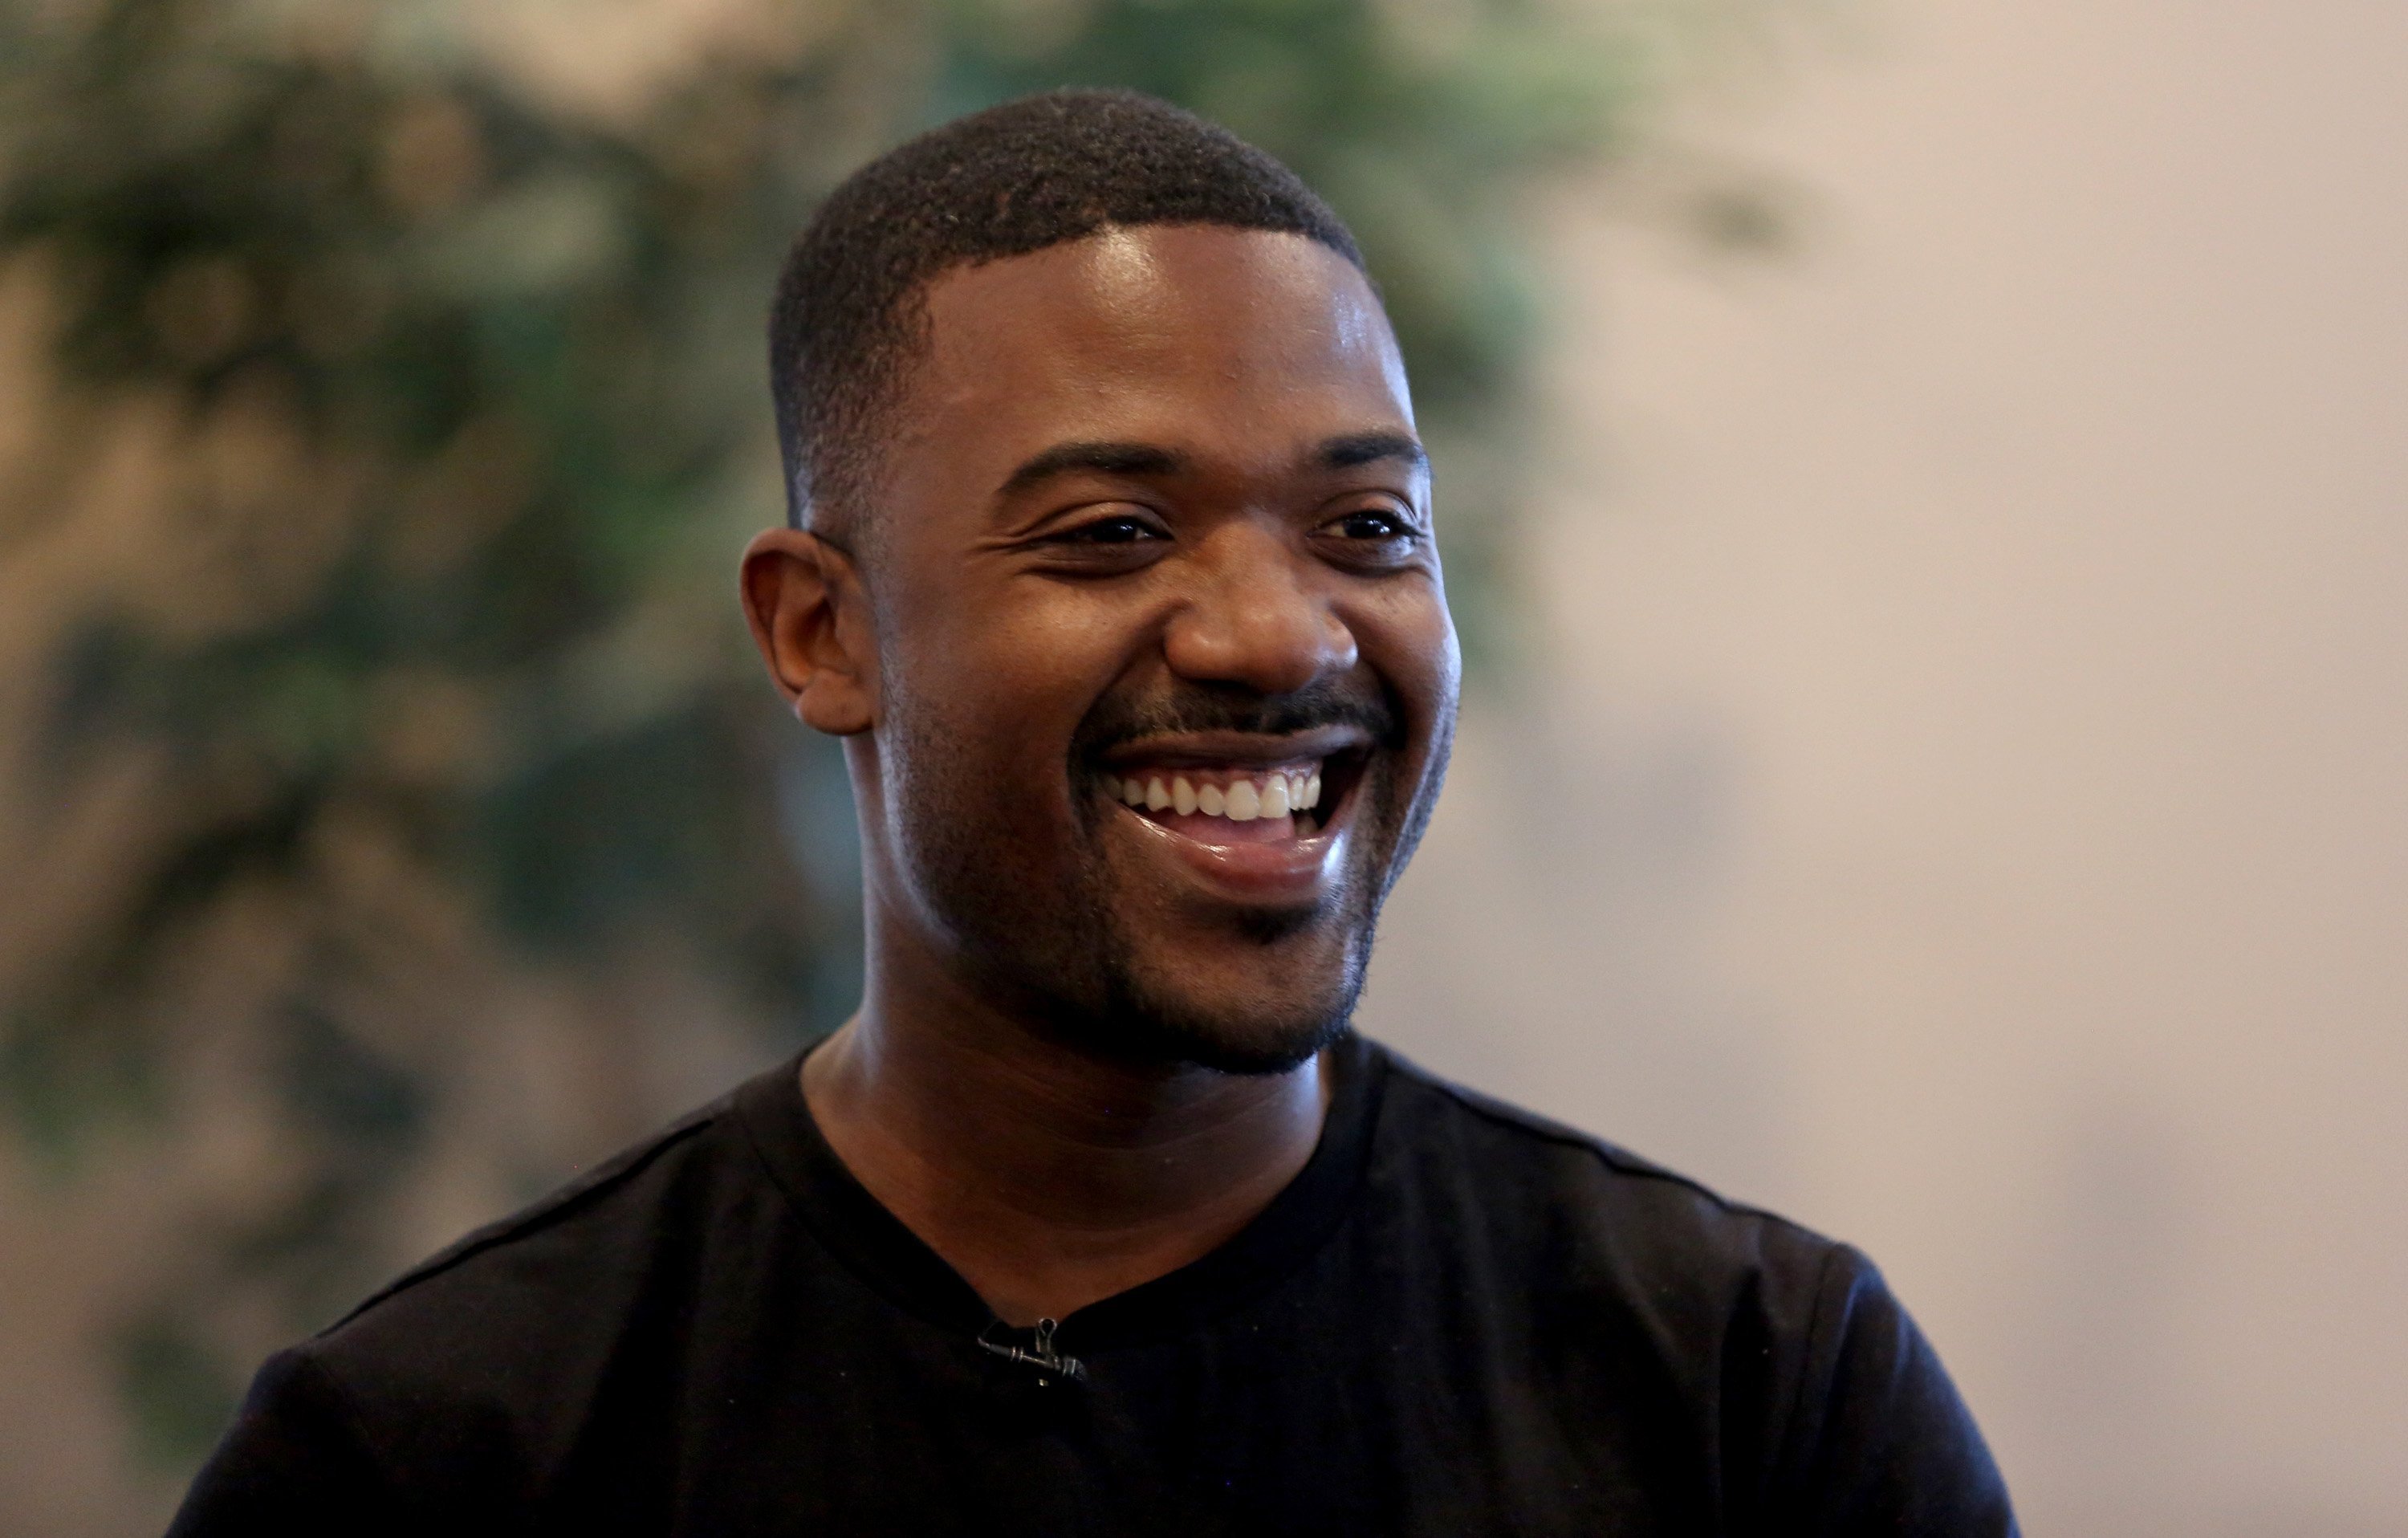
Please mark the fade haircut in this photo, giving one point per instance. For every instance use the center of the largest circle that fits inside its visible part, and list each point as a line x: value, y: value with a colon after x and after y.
x: 851, y: 317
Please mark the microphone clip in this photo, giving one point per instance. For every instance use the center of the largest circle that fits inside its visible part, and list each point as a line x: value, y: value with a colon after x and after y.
x: 1043, y: 1356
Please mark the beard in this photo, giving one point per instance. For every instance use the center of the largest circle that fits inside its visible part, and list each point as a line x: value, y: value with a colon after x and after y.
x: 1149, y: 1020
x: 1093, y: 954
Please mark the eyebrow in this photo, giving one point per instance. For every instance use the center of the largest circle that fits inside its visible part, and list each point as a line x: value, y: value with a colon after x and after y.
x: 1343, y: 452
x: 1102, y: 458
x: 1352, y: 449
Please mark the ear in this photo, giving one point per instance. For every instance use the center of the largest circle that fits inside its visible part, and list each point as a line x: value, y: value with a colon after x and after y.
x: 811, y: 618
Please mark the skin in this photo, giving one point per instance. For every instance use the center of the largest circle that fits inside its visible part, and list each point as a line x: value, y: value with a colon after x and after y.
x: 1152, y: 498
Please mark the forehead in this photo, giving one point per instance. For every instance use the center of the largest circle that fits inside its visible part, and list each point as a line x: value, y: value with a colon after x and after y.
x: 1234, y: 346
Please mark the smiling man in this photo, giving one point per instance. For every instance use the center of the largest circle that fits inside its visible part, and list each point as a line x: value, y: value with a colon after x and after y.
x: 1111, y: 559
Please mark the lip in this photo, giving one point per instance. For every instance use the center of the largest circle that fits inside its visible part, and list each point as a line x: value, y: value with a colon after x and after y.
x: 1201, y: 750
x: 1290, y: 873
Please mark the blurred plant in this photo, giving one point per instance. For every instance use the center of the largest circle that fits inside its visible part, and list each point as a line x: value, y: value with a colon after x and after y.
x: 419, y: 677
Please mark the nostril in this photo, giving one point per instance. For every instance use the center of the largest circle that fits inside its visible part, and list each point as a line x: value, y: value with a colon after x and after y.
x: 1258, y: 623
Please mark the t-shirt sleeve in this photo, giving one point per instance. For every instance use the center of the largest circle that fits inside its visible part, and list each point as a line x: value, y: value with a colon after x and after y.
x: 293, y: 1463
x: 1878, y: 1440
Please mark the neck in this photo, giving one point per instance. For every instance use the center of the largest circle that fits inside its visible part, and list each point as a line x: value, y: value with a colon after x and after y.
x: 1048, y: 1178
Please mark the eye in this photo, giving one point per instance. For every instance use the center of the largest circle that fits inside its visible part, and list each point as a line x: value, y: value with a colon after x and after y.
x: 1376, y: 524
x: 1376, y: 538
x: 1105, y: 539
x: 1120, y: 528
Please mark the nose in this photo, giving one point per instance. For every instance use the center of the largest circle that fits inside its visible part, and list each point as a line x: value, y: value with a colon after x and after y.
x: 1256, y: 617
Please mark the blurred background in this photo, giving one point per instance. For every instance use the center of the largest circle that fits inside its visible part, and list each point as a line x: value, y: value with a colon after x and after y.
x: 1923, y: 487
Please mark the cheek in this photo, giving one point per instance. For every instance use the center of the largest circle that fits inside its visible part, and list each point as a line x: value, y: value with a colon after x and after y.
x: 1408, y: 640
x: 1000, y: 691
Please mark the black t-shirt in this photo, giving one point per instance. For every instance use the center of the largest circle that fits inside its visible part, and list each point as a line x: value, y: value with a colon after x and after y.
x: 1457, y: 1319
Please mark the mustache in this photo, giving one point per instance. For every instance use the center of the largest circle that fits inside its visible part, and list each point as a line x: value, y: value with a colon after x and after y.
x: 1235, y: 708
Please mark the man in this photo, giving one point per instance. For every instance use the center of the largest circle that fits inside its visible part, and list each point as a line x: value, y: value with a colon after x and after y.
x: 1110, y: 561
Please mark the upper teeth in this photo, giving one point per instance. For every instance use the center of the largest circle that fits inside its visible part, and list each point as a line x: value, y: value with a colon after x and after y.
x: 1241, y: 798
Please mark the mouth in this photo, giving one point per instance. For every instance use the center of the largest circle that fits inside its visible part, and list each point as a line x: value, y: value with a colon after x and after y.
x: 1264, y: 814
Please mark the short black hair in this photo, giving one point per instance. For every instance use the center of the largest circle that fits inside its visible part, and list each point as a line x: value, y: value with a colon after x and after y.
x: 1014, y: 179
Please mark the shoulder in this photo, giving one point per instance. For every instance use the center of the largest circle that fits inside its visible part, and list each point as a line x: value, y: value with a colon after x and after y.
x: 512, y: 1332
x: 1603, y: 1252
x: 580, y: 1235
x: 1827, y: 1398
x: 1540, y: 1182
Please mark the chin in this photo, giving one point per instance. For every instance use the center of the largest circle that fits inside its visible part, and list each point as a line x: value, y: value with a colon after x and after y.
x: 1236, y: 1028
x: 1222, y: 1045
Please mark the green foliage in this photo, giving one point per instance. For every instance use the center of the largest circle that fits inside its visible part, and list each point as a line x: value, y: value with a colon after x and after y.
x: 178, y: 1394
x: 478, y: 376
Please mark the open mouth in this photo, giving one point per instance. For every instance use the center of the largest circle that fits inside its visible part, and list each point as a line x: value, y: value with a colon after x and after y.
x: 1224, y: 803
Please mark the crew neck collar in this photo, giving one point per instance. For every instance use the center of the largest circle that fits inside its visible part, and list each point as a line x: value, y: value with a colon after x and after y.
x: 893, y: 1261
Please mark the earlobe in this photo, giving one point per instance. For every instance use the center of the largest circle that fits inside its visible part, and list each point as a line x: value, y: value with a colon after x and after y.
x: 804, y: 602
